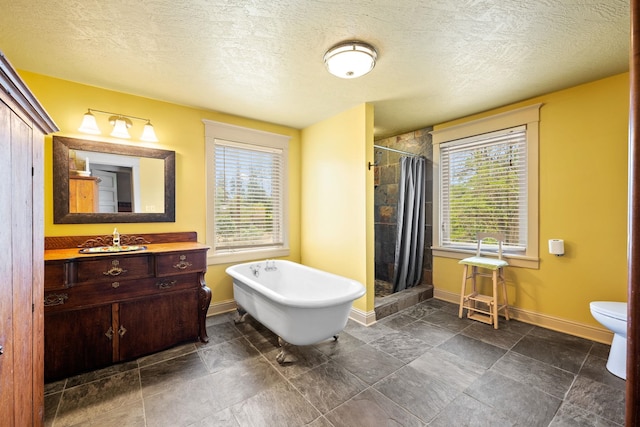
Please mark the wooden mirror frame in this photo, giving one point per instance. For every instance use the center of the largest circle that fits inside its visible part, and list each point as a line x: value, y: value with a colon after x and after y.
x: 61, y: 214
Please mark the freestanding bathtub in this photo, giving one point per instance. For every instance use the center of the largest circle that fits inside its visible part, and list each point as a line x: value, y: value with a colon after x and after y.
x: 302, y: 305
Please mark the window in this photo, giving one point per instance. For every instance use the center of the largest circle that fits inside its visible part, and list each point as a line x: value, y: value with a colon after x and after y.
x: 486, y: 179
x: 484, y: 187
x: 246, y: 193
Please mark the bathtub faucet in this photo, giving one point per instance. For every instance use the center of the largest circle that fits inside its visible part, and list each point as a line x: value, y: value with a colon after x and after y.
x: 255, y: 269
x: 271, y: 267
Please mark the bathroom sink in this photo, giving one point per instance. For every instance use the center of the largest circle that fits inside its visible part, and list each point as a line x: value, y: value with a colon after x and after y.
x: 111, y: 249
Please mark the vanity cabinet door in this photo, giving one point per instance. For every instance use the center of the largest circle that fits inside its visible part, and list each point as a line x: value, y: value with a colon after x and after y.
x: 157, y: 323
x: 77, y: 341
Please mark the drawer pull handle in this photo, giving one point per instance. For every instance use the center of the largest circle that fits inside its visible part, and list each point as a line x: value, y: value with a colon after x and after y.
x: 55, y: 299
x: 166, y: 284
x: 115, y: 285
x: 183, y: 263
x: 109, y: 333
x: 115, y: 269
x: 122, y: 330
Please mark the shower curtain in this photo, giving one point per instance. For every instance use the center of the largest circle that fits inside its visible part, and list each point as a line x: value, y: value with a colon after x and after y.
x: 411, y: 218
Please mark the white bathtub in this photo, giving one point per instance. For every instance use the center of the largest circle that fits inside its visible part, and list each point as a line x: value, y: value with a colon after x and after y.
x: 302, y: 305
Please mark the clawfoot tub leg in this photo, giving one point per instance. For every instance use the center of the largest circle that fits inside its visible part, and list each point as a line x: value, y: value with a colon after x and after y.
x: 335, y: 337
x: 284, y: 356
x: 242, y: 316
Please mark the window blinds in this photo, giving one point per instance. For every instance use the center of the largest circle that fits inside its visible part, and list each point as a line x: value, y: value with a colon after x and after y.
x: 248, y: 196
x: 484, y: 188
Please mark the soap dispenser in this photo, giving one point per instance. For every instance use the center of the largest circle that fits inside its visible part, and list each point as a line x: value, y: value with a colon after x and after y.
x: 116, y: 238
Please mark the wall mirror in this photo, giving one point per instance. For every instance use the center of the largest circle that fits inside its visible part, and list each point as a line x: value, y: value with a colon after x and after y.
x: 101, y: 182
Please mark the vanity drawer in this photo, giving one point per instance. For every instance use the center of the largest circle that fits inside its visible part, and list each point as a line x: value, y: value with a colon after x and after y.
x: 114, y: 267
x: 179, y: 263
x: 94, y: 294
x: 55, y: 276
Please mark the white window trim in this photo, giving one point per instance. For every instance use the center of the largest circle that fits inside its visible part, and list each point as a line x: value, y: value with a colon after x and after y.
x: 528, y: 116
x: 241, y: 135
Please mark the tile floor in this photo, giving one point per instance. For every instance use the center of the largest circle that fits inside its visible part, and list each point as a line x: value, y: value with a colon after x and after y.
x: 421, y: 366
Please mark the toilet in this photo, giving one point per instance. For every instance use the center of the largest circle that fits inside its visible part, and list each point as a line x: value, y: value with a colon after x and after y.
x: 613, y: 316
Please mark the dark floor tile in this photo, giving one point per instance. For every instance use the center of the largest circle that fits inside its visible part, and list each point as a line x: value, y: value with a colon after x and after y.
x: 344, y: 344
x: 96, y: 399
x: 475, y: 351
x: 401, y: 345
x: 367, y: 333
x: 600, y: 350
x: 54, y: 387
x: 600, y: 399
x: 51, y: 402
x: 221, y: 356
x: 164, y: 375
x: 222, y: 332
x: 368, y: 363
x: 595, y: 368
x: 416, y: 392
x: 520, y: 403
x: 443, y: 367
x: 171, y: 353
x: 109, y: 371
x: 371, y: 408
x: 467, y: 411
x: 328, y: 386
x: 183, y: 404
x: 551, y: 380
x: 559, y: 350
x: 222, y: 418
x: 302, y: 359
x: 447, y: 320
x: 502, y: 337
x: 418, y: 311
x: 427, y: 332
x: 571, y: 416
x: 397, y: 321
x: 280, y: 405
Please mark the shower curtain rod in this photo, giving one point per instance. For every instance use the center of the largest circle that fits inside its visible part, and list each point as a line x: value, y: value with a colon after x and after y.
x: 396, y: 151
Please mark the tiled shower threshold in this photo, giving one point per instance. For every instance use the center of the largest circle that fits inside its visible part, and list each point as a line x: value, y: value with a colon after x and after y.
x: 390, y: 304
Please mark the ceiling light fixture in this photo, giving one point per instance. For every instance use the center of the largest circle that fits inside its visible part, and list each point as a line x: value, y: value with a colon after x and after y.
x: 121, y: 124
x: 349, y: 60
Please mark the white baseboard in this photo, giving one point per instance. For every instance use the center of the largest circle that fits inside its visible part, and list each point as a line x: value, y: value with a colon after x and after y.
x: 543, y: 320
x: 221, y: 307
x: 363, y: 317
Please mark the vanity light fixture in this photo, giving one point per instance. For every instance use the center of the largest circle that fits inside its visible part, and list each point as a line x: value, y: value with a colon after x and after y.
x: 351, y: 59
x: 121, y: 124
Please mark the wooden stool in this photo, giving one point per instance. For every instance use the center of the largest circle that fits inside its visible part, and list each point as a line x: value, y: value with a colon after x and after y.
x: 484, y: 308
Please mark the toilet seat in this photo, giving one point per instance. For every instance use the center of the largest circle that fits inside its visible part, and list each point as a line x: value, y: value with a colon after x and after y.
x: 616, y: 310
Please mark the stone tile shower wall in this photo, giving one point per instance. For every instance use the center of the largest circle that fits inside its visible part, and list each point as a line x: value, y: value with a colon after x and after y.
x: 386, y: 202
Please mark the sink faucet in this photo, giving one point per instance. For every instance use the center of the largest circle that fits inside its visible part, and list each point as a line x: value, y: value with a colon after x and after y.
x: 116, y: 238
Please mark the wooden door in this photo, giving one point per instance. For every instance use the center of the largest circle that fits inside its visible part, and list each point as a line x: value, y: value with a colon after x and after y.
x: 78, y: 340
x: 150, y: 324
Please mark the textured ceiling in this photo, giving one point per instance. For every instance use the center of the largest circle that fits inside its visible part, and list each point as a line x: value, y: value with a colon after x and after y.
x: 438, y: 59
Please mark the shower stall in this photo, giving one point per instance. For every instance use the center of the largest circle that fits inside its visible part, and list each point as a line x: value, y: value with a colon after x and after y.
x: 403, y: 212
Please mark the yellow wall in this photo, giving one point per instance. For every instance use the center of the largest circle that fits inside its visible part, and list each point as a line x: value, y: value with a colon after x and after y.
x: 583, y: 200
x: 179, y: 129
x: 337, y: 198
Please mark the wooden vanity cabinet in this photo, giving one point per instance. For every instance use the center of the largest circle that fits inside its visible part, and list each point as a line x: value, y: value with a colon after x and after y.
x: 102, y: 309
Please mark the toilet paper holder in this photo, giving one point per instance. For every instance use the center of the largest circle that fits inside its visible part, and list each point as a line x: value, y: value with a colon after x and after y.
x: 556, y: 247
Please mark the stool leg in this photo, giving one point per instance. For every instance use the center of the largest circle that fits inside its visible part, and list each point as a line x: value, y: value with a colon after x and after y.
x: 463, y: 291
x: 504, y: 295
x: 494, y: 299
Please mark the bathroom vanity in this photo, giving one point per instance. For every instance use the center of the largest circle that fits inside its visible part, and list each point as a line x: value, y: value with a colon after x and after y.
x: 107, y: 306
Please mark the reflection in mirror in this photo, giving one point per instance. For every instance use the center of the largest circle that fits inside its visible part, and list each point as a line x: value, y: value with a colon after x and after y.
x: 98, y: 182
x: 124, y: 183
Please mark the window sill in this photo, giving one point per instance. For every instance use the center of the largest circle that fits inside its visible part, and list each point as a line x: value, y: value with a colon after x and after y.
x: 249, y: 255
x: 513, y: 260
